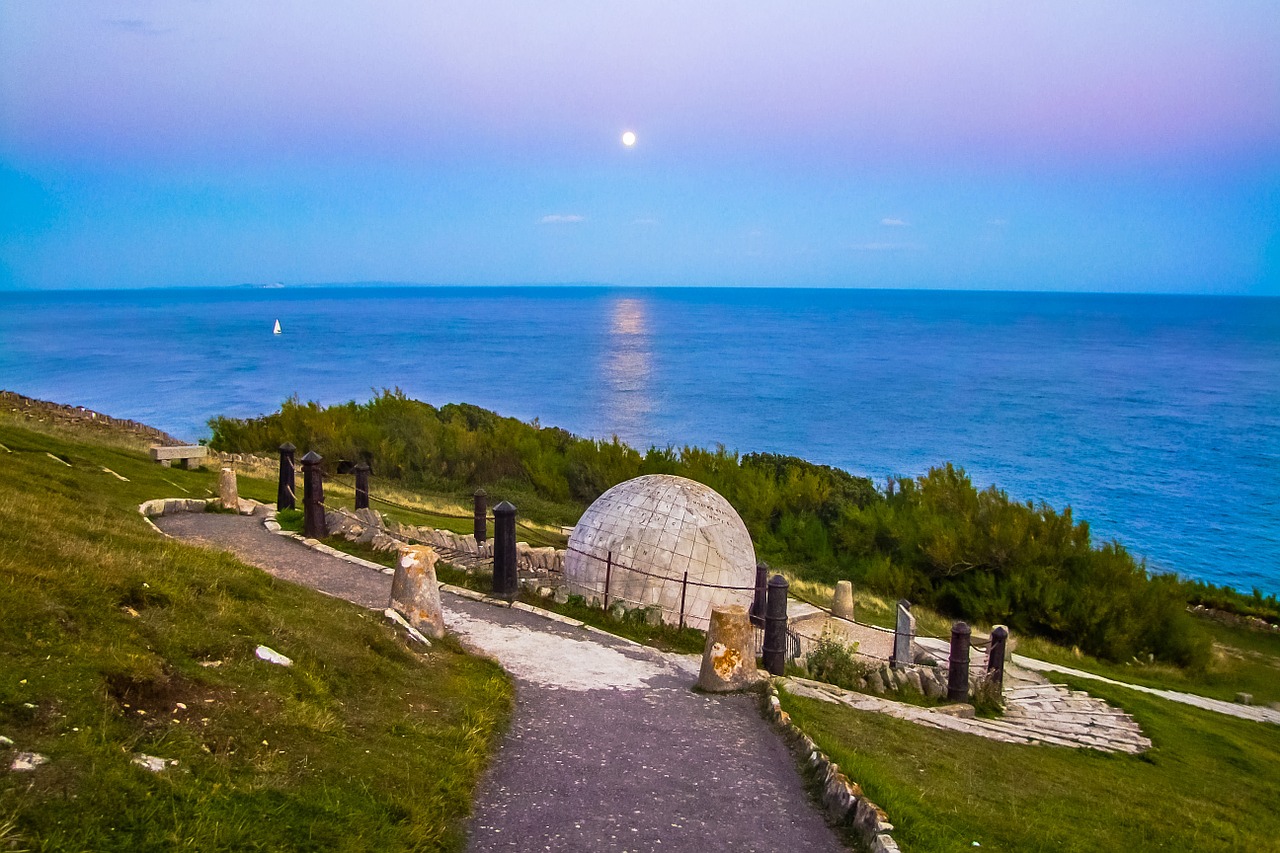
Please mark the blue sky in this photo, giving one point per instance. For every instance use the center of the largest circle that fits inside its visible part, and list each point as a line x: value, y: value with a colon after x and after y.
x: 1085, y: 146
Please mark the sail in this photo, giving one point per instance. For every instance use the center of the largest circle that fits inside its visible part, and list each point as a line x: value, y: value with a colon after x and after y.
x: 277, y: 329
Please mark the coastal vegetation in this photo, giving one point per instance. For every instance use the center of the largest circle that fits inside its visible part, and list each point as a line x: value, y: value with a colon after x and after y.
x: 935, y: 539
x: 118, y: 643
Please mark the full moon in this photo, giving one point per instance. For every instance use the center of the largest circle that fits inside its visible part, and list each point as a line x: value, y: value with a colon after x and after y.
x: 628, y: 139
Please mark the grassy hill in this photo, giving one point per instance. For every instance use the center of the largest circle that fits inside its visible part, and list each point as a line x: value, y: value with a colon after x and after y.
x: 116, y: 642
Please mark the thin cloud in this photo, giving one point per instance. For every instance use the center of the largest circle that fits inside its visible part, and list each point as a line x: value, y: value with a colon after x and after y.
x: 560, y: 218
x: 136, y: 26
x: 999, y: 223
x: 893, y: 222
x: 886, y: 247
x: 644, y: 220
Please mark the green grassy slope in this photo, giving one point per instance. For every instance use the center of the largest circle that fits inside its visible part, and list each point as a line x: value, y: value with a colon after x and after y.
x: 1211, y: 783
x: 116, y: 641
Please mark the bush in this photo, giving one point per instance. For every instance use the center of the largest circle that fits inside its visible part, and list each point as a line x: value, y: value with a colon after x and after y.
x: 836, y: 663
x: 935, y: 540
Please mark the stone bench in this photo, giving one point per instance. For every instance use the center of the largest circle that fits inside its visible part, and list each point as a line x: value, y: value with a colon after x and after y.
x: 186, y: 455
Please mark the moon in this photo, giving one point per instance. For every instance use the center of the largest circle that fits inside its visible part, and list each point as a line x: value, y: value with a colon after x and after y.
x: 628, y: 139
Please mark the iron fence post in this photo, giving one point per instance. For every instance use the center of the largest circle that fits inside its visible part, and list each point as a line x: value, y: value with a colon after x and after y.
x: 758, y: 602
x: 775, y: 626
x: 958, y: 674
x: 608, y: 576
x: 313, y: 523
x: 505, y: 578
x: 684, y: 587
x: 995, y: 656
x: 362, y: 486
x: 284, y: 491
x: 481, y: 514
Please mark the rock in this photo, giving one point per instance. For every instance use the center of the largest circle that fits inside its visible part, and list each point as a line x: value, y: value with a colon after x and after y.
x: 370, y: 517
x: 151, y: 762
x: 468, y: 544
x: 842, y: 601
x: 931, y: 686
x: 728, y: 659
x: 5, y: 742
x: 364, y: 536
x: 959, y: 710
x: 383, y: 542
x: 1244, y: 698
x: 653, y: 616
x: 561, y: 595
x: 228, y: 492
x: 415, y: 592
x: 271, y: 656
x: 618, y: 610
x: 25, y: 761
x: 246, y: 506
x: 912, y: 680
x: 152, y: 509
x: 874, y: 682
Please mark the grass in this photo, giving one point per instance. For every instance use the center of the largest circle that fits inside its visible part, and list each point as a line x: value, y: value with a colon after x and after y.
x: 1211, y: 782
x: 1243, y: 660
x: 117, y: 641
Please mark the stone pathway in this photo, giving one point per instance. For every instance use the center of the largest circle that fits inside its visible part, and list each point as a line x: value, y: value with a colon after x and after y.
x: 1259, y: 713
x: 609, y: 748
x: 1032, y: 669
x: 1045, y: 714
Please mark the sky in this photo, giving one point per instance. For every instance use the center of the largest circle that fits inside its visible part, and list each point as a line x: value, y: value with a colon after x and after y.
x: 1086, y: 146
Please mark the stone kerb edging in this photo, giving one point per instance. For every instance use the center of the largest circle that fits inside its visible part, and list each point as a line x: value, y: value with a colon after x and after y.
x: 842, y: 799
x: 462, y: 592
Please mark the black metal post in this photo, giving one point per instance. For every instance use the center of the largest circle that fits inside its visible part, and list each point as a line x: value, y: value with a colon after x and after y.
x: 995, y: 656
x: 362, y: 486
x: 775, y: 626
x: 608, y: 577
x: 481, y: 509
x: 284, y: 492
x: 505, y: 579
x: 757, y: 603
x: 958, y: 676
x: 684, y: 588
x: 313, y: 524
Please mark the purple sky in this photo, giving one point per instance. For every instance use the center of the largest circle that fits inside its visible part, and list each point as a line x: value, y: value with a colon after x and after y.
x: 947, y: 144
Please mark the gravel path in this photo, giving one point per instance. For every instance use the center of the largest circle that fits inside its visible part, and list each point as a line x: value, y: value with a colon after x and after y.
x: 609, y: 749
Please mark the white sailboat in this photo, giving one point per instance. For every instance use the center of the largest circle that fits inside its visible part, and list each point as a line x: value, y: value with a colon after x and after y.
x: 277, y: 328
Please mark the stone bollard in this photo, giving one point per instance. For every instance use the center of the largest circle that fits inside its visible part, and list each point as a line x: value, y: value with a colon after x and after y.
x: 313, y: 523
x: 480, y: 512
x: 842, y: 601
x: 505, y: 579
x: 762, y: 591
x: 903, y: 636
x: 228, y: 493
x: 362, y: 486
x: 958, y: 674
x: 728, y: 659
x: 284, y: 491
x: 996, y: 655
x: 415, y: 594
x: 775, y: 626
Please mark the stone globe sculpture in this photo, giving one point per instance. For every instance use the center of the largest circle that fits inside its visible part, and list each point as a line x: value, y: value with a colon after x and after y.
x: 663, y: 543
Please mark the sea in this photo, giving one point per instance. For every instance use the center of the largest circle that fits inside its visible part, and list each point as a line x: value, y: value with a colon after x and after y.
x: 1155, y: 417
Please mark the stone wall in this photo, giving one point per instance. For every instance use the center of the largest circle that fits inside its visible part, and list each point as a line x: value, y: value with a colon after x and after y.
x: 34, y: 409
x: 370, y: 527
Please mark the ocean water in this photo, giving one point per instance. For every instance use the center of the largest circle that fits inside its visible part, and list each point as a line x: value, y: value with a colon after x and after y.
x: 1157, y: 418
